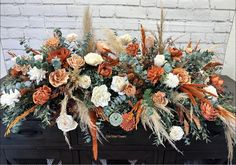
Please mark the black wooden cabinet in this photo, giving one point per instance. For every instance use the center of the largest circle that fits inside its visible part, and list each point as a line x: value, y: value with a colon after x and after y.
x: 34, y: 145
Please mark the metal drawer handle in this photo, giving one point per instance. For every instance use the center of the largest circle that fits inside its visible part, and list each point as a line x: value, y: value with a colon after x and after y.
x: 29, y: 132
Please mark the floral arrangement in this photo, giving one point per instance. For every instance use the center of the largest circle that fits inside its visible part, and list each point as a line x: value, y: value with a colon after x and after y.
x: 120, y: 81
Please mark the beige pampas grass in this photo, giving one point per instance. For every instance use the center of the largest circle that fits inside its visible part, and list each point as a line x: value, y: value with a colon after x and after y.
x: 160, y: 30
x: 155, y: 123
x: 87, y: 28
x: 229, y: 121
x: 113, y: 42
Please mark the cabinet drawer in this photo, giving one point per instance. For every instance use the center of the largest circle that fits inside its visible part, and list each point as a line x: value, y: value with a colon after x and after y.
x: 38, y: 156
x: 31, y: 134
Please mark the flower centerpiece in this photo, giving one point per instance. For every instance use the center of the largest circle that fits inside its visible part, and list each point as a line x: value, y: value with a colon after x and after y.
x: 72, y: 82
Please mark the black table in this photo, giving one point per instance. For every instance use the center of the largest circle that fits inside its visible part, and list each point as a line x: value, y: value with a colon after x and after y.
x: 33, y: 145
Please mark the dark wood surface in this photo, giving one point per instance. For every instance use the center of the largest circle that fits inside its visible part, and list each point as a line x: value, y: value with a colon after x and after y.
x: 33, y: 145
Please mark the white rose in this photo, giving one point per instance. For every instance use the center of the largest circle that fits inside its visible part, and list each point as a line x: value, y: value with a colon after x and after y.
x: 66, y: 122
x: 159, y: 60
x: 118, y: 83
x: 176, y: 133
x: 84, y: 81
x: 100, y: 96
x: 171, y: 80
x: 37, y: 74
x: 71, y: 37
x: 38, y: 57
x: 125, y: 39
x: 9, y: 99
x: 212, y: 90
x: 93, y: 59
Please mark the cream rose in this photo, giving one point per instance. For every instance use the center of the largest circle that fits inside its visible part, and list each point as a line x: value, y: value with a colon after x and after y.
x: 100, y: 96
x: 84, y: 81
x: 118, y: 84
x: 125, y: 39
x: 159, y: 60
x: 71, y: 37
x: 93, y: 59
x: 176, y: 133
x: 66, y: 122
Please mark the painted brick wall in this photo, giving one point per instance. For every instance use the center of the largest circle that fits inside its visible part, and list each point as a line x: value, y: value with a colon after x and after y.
x: 208, y: 20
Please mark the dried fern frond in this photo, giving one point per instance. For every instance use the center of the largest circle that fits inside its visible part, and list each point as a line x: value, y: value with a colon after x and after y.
x: 160, y: 30
x: 113, y: 42
x: 88, y: 28
x: 18, y: 118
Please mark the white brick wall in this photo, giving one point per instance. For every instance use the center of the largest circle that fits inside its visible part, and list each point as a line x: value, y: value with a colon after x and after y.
x: 208, y: 20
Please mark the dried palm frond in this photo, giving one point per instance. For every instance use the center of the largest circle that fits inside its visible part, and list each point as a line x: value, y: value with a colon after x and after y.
x: 143, y: 38
x: 113, y: 42
x: 212, y: 65
x: 18, y: 118
x: 196, y: 90
x: 155, y: 123
x: 87, y: 28
x: 189, y: 115
x: 197, y: 45
x: 160, y: 30
x: 93, y: 132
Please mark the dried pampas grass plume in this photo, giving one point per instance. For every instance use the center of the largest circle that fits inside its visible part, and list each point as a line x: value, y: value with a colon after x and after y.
x: 113, y: 42
x: 155, y: 123
x: 88, y: 28
x: 160, y: 30
x: 229, y: 121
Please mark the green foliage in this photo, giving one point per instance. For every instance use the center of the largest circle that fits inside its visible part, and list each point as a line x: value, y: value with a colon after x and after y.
x: 56, y: 63
x: 118, y: 103
x: 44, y: 114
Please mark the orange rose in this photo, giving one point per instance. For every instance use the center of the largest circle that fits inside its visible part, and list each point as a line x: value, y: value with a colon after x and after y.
x: 52, y: 42
x: 105, y: 69
x: 132, y: 49
x: 176, y: 54
x: 130, y: 90
x: 102, y: 47
x: 182, y: 74
x: 217, y: 82
x: 61, y: 53
x: 75, y: 61
x: 42, y: 95
x: 159, y: 98
x: 58, y: 77
x: 208, y: 111
x: 154, y: 74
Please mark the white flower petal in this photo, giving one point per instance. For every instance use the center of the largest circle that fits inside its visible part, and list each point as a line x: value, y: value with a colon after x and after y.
x: 66, y: 122
x: 176, y: 133
x: 93, y: 59
x: 100, y: 96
